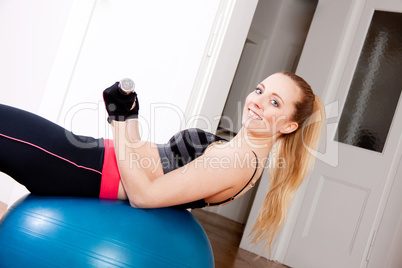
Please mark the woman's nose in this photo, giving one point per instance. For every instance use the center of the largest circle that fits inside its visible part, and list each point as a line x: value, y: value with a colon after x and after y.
x: 258, y: 102
x: 257, y: 105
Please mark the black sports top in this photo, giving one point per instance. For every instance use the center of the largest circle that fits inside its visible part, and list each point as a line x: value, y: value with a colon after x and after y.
x: 186, y: 146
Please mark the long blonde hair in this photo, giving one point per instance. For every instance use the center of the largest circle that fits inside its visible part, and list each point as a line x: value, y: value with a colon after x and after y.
x: 295, y: 150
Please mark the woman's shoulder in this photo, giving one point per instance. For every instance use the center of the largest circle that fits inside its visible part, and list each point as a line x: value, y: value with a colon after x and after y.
x: 240, y: 159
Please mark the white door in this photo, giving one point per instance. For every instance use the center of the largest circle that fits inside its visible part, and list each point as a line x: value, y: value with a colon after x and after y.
x: 342, y: 205
x: 386, y: 251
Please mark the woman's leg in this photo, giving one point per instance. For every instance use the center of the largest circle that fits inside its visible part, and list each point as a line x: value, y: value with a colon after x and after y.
x: 46, y: 158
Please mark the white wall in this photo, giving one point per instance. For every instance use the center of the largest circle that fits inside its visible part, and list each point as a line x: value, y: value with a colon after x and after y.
x: 30, y: 32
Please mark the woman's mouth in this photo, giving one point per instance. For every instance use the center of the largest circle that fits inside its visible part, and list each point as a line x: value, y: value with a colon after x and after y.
x: 253, y: 115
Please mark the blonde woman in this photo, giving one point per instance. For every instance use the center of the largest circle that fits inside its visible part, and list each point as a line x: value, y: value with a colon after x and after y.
x: 193, y: 170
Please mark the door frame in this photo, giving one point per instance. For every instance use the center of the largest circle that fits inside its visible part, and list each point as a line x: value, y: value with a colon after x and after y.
x: 215, y: 76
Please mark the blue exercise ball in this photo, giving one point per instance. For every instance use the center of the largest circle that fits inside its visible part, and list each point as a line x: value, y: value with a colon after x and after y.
x: 88, y: 232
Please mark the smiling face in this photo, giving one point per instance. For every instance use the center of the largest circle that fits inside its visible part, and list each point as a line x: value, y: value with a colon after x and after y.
x: 269, y: 108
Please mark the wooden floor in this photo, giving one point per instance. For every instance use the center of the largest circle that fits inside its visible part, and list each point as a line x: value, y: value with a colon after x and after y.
x: 3, y: 208
x: 225, y: 236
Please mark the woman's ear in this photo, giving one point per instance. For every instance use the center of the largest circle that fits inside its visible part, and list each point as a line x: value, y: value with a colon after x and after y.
x: 289, y: 128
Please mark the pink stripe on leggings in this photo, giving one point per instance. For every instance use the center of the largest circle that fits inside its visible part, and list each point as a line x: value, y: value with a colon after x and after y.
x: 50, y: 153
x: 110, y: 173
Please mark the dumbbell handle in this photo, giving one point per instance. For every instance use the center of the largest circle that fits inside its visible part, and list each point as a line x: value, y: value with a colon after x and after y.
x: 127, y: 86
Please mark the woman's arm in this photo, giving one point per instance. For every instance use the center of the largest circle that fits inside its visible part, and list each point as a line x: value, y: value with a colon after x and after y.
x: 129, y: 149
x: 213, y: 173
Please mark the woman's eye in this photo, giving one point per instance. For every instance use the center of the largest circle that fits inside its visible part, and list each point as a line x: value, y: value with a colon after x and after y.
x: 274, y: 103
x: 258, y: 91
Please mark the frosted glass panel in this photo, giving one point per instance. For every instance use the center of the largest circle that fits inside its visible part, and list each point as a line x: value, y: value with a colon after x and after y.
x: 376, y: 86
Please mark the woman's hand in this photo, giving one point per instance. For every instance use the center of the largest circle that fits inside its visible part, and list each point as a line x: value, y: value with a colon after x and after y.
x: 120, y: 106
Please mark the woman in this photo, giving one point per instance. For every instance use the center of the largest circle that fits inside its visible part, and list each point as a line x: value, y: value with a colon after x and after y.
x: 194, y: 169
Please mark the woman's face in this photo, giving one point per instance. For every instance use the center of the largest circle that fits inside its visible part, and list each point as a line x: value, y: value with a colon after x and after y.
x: 269, y: 108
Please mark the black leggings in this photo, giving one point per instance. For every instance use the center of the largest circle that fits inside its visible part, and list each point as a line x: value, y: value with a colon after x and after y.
x: 46, y: 158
